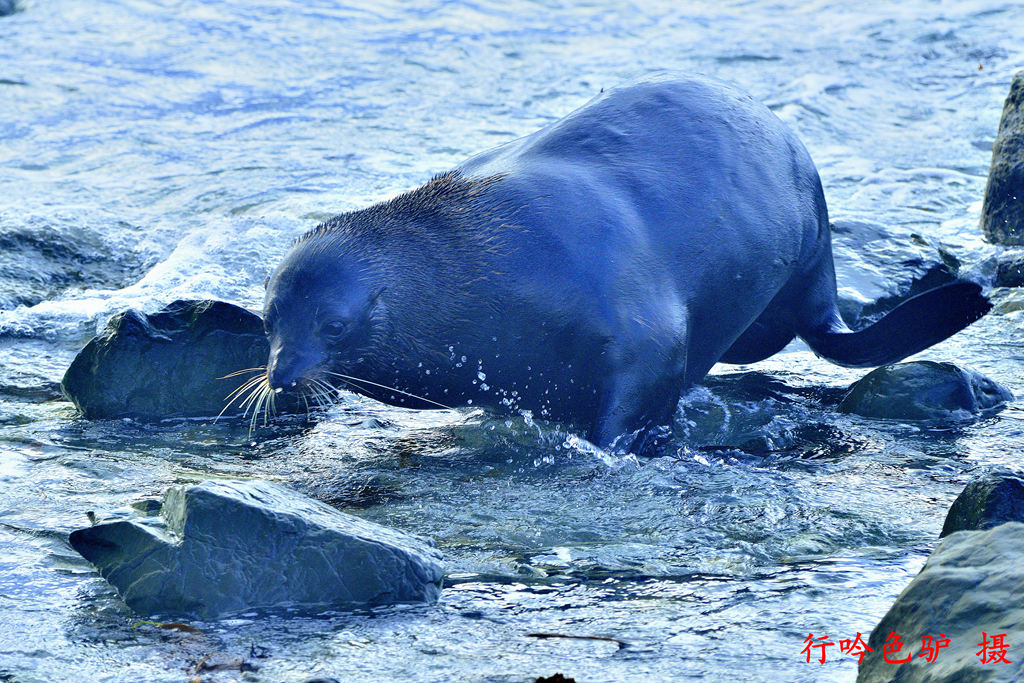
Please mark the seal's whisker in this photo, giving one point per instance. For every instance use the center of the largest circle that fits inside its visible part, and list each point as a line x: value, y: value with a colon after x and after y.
x: 252, y: 422
x: 248, y: 404
x: 250, y: 396
x: 237, y: 393
x: 243, y: 388
x: 254, y: 396
x: 316, y: 399
x: 352, y: 385
x: 385, y: 386
x: 323, y: 390
x: 263, y: 392
x: 313, y: 394
x: 307, y: 386
x: 236, y: 373
x: 329, y: 392
x: 245, y: 385
x: 267, y: 402
x: 307, y: 389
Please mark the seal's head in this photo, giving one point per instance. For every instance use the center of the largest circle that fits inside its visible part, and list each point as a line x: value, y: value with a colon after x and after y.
x: 324, y: 312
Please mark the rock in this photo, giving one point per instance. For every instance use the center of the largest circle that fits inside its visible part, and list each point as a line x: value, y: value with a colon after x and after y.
x: 881, y: 268
x: 39, y: 261
x: 147, y: 506
x: 923, y: 390
x: 25, y: 387
x: 166, y: 365
x: 1010, y: 270
x: 969, y: 586
x: 229, y: 547
x: 1002, y: 214
x: 8, y: 7
x: 994, y: 499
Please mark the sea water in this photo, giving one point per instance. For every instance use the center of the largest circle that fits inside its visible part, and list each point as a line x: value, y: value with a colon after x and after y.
x: 151, y: 151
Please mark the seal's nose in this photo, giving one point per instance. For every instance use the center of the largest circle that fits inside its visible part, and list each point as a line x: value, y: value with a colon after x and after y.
x: 286, y: 369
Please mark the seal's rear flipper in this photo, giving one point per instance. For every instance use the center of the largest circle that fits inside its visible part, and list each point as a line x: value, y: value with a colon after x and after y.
x: 914, y: 325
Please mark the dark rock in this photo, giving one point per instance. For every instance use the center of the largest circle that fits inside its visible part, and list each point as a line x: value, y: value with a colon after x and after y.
x: 230, y: 547
x: 885, y: 267
x: 29, y: 367
x: 147, y: 506
x: 987, y: 502
x: 39, y: 262
x: 969, y: 586
x: 923, y: 390
x: 30, y: 388
x: 9, y: 7
x: 1002, y: 214
x: 1010, y: 270
x: 167, y: 364
x: 928, y: 277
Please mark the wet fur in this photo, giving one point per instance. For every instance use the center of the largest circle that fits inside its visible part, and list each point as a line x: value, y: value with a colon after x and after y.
x: 591, y: 270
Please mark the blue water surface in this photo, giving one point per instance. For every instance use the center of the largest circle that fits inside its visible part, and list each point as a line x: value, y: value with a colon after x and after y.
x: 151, y: 151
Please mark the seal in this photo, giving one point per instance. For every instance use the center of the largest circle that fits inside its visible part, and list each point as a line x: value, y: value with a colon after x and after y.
x: 588, y: 272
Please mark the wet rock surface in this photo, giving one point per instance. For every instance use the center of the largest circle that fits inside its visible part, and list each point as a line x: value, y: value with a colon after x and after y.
x: 987, y: 502
x: 1010, y: 270
x: 923, y: 391
x: 221, y: 548
x: 1002, y: 214
x: 968, y: 592
x: 40, y: 262
x: 867, y: 288
x: 168, y: 364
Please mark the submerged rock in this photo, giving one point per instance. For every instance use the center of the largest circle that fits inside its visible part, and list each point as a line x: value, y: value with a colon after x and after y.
x: 167, y: 364
x: 229, y: 547
x: 1010, y: 269
x: 994, y: 499
x: 1002, y: 214
x: 968, y: 592
x: 881, y: 268
x: 39, y: 262
x: 8, y: 7
x: 923, y: 390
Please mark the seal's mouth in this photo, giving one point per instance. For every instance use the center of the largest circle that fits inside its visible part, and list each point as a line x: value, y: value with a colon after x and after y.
x: 258, y: 394
x: 287, y: 369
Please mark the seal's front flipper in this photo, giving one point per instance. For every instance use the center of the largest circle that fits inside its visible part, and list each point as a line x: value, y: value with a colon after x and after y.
x: 914, y: 325
x: 635, y: 410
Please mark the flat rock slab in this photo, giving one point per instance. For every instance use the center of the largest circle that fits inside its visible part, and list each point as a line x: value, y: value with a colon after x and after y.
x: 1002, y: 213
x: 223, y: 547
x: 168, y: 364
x: 969, y: 591
x: 987, y: 502
x: 924, y: 391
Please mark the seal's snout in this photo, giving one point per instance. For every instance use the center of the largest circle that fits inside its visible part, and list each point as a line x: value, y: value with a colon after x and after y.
x: 286, y: 369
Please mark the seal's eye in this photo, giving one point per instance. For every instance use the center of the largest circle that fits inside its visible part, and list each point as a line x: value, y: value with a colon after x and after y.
x: 334, y: 329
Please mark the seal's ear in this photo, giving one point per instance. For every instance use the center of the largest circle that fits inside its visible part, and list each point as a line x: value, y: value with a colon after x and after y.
x: 266, y: 281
